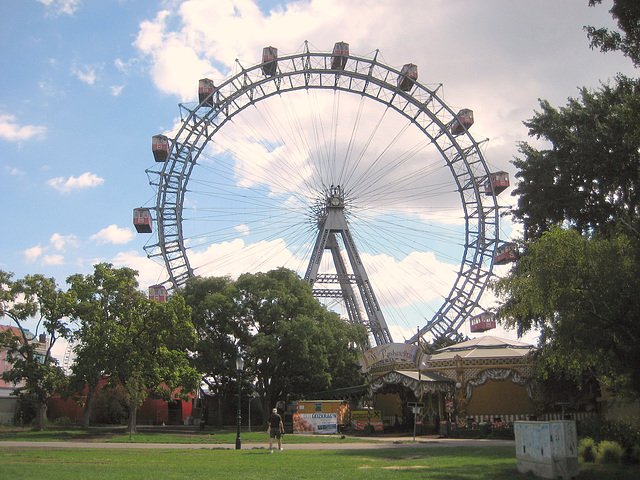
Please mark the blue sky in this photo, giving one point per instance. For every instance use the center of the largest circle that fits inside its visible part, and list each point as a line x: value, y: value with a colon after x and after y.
x: 86, y: 84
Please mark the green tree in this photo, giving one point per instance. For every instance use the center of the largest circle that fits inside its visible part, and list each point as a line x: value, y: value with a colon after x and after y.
x: 33, y: 298
x: 296, y: 346
x: 135, y: 342
x: 588, y: 176
x: 583, y: 295
x: 627, y: 14
x: 219, y: 330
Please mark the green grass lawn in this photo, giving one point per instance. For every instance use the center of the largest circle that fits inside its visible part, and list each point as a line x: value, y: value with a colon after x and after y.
x: 450, y: 463
x: 119, y: 435
x: 438, y: 463
x: 255, y: 462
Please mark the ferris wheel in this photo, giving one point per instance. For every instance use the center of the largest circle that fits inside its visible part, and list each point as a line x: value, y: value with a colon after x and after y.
x: 341, y: 168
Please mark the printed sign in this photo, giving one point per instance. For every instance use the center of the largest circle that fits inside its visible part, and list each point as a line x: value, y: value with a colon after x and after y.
x: 361, y: 418
x: 322, y: 423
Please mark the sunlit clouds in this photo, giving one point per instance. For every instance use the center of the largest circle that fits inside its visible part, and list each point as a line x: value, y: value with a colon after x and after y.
x: 12, y: 131
x: 68, y: 185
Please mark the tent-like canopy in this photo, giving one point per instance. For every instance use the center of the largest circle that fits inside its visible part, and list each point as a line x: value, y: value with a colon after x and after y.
x: 418, y: 382
x: 483, y: 347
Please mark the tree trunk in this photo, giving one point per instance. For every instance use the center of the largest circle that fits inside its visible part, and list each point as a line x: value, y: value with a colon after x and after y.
x: 88, y: 406
x: 133, y: 413
x: 220, y: 417
x: 41, y: 416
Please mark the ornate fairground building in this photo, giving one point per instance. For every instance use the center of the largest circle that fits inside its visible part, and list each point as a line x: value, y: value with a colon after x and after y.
x: 484, y: 379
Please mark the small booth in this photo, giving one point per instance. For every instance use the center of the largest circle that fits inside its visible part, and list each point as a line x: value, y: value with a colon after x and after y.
x: 548, y: 449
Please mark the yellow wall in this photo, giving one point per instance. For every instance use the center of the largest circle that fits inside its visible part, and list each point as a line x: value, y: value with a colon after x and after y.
x: 500, y: 398
x: 319, y: 406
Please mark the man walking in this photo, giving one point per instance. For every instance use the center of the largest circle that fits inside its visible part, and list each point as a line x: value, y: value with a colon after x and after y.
x: 276, y: 429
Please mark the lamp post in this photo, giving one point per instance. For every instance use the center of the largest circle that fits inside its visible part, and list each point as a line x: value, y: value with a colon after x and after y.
x: 239, y: 367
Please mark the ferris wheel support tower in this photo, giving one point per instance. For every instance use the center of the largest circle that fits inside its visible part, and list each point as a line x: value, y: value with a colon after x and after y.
x: 332, y: 222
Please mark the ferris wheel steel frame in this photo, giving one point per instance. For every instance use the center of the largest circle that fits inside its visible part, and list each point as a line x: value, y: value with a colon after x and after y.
x: 362, y: 76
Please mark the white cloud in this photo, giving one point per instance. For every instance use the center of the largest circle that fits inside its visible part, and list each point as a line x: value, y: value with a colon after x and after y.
x: 87, y: 73
x: 14, y: 171
x: 32, y: 254
x: 116, y: 90
x: 242, y: 229
x: 62, y: 242
x: 86, y: 180
x: 236, y: 257
x: 53, y: 259
x: 113, y: 234
x: 61, y: 7
x: 13, y: 132
x: 149, y: 272
x: 125, y: 67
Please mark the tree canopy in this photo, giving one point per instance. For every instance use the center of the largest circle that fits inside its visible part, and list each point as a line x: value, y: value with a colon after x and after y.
x: 297, y: 346
x: 219, y: 331
x: 627, y: 14
x: 586, y: 174
x: 583, y: 295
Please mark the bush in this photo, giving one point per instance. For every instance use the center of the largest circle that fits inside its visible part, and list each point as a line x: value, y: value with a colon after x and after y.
x: 625, y: 432
x: 587, y: 449
x: 609, y: 452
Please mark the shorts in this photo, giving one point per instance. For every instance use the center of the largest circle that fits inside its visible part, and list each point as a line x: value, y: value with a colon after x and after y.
x: 275, y: 433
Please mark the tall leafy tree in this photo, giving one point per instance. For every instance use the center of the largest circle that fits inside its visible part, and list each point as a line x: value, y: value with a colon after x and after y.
x: 135, y: 342
x: 291, y: 344
x: 583, y: 295
x: 296, y: 346
x: 33, y: 298
x: 219, y: 330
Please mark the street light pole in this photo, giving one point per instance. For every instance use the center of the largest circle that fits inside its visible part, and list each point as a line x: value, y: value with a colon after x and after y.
x: 239, y: 367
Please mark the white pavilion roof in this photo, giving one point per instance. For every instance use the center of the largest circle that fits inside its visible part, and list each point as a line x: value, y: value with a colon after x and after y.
x: 484, y: 347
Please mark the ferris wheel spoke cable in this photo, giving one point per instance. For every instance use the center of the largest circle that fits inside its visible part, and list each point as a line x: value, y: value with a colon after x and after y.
x: 400, y: 239
x: 296, y: 140
x: 262, y: 252
x: 367, y: 178
x: 365, y: 148
x: 280, y: 157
